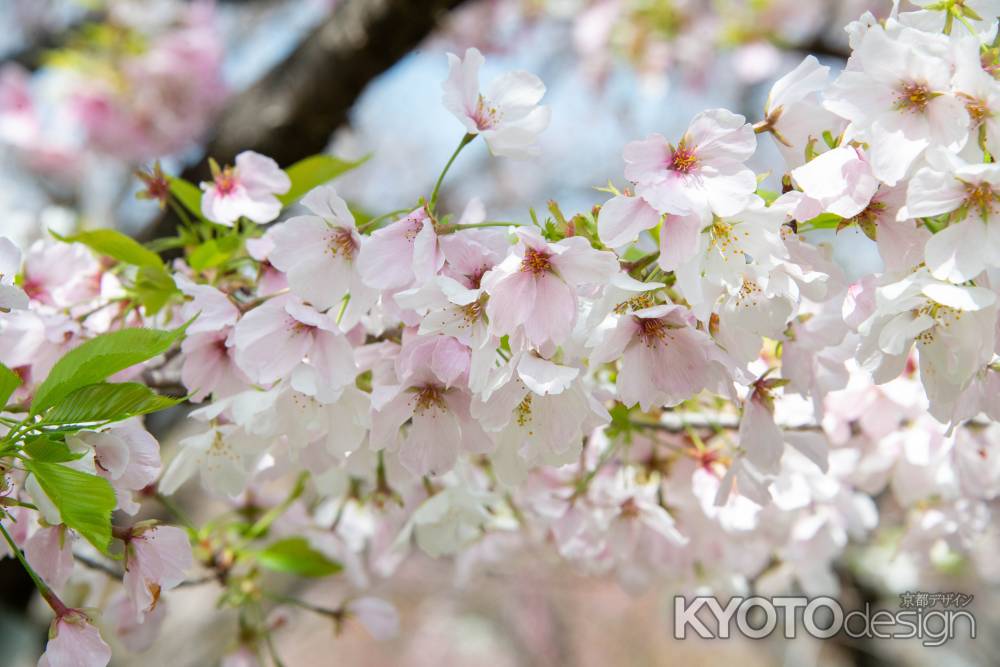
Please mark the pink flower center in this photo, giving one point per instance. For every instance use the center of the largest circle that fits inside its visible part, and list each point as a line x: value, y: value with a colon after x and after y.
x: 536, y: 262
x: 428, y: 397
x: 472, y: 312
x: 981, y: 197
x: 913, y: 96
x: 630, y: 509
x: 341, y: 242
x: 977, y: 108
x: 651, y: 331
x: 683, y: 160
x: 486, y: 115
x: 522, y: 413
x: 226, y: 181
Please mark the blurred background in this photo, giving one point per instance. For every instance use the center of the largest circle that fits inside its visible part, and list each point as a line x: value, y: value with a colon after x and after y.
x: 92, y: 90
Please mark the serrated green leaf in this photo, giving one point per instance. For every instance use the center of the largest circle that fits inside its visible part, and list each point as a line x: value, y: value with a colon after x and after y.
x: 85, y: 501
x: 314, y: 171
x: 294, y: 556
x: 153, y: 288
x: 107, y: 402
x: 187, y: 193
x: 9, y: 381
x: 213, y: 253
x: 98, y: 358
x: 49, y: 450
x: 115, y: 245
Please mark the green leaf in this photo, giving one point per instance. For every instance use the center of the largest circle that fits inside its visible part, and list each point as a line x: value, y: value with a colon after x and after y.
x: 50, y: 451
x: 116, y: 245
x: 9, y: 381
x: 767, y: 195
x: 108, y: 402
x: 294, y: 556
x: 187, y: 193
x: 213, y: 253
x: 154, y: 288
x: 85, y: 501
x: 313, y: 171
x: 98, y: 358
x: 824, y: 221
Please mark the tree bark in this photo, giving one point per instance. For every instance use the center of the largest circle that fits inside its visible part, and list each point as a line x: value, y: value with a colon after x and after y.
x: 292, y: 112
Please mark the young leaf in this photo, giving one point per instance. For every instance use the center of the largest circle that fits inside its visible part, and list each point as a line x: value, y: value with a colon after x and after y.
x: 187, y: 193
x: 213, y: 253
x: 293, y: 555
x: 85, y: 501
x: 116, y: 245
x: 9, y: 381
x: 50, y: 451
x: 107, y: 402
x: 153, y: 288
x: 314, y: 171
x: 98, y: 358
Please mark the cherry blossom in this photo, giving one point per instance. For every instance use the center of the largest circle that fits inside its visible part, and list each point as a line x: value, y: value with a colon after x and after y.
x: 507, y: 113
x: 317, y: 253
x: 156, y: 560
x: 247, y: 189
x: 897, y: 96
x: 703, y: 174
x: 75, y: 642
x: 533, y: 289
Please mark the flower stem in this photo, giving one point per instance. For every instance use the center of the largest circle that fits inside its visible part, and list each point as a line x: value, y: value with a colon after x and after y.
x: 362, y: 229
x: 437, y: 186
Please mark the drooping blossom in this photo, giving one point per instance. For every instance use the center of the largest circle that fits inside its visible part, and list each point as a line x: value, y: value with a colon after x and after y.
x: 156, y: 560
x: 74, y: 641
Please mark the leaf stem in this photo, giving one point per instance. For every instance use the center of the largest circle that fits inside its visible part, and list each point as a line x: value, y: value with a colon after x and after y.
x: 264, y: 523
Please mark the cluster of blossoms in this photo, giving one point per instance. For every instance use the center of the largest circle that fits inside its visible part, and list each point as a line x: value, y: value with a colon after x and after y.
x: 144, y: 83
x: 634, y: 388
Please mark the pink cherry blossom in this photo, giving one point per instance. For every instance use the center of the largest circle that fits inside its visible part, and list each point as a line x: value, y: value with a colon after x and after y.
x: 838, y: 181
x: 156, y: 560
x: 896, y: 96
x: 75, y: 642
x: 50, y: 552
x: 286, y: 338
x: 534, y: 289
x: 506, y: 113
x: 703, y: 174
x: 247, y: 190
x: 665, y: 360
x: 398, y: 254
x: 318, y: 252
